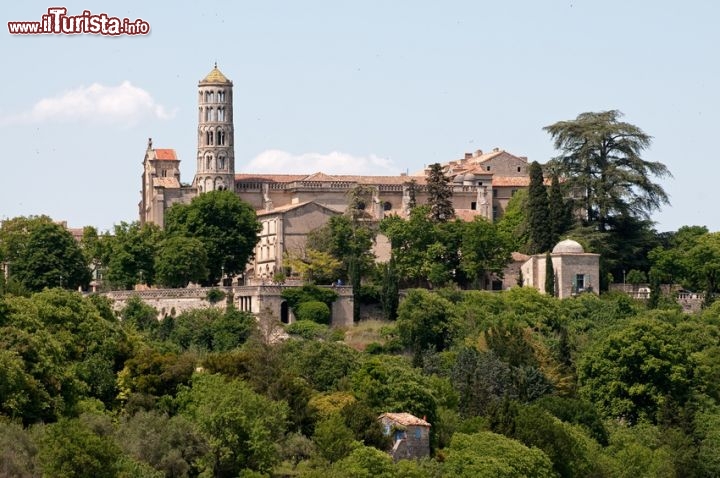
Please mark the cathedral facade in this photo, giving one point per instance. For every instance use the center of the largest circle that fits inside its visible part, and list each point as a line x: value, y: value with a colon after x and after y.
x: 291, y: 205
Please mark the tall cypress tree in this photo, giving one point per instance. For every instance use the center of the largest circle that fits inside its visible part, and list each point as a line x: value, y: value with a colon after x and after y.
x: 560, y: 214
x: 538, y: 216
x: 439, y: 195
x: 549, y: 275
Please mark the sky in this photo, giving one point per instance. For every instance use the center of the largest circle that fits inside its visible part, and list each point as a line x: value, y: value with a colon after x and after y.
x: 364, y: 87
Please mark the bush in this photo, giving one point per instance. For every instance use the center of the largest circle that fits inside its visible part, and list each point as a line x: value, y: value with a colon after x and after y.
x: 215, y: 295
x: 308, y: 293
x: 307, y: 329
x: 315, y: 311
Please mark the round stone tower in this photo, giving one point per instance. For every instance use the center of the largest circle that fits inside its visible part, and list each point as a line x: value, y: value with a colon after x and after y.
x: 216, y: 138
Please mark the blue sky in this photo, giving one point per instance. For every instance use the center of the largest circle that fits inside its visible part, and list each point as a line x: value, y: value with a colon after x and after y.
x: 372, y: 87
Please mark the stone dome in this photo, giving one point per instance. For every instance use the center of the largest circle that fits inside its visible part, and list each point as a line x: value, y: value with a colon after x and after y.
x: 568, y: 246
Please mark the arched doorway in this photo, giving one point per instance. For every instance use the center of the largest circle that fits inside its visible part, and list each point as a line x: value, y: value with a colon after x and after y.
x: 284, y: 313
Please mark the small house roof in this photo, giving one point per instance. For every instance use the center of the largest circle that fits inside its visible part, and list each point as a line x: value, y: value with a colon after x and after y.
x: 405, y: 419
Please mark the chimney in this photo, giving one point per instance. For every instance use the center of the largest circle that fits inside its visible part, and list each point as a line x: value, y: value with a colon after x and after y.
x: 478, y: 153
x: 495, y: 150
x: 468, y: 155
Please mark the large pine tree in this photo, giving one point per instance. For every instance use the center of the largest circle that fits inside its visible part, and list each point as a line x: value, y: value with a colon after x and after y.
x: 538, y: 216
x: 439, y: 195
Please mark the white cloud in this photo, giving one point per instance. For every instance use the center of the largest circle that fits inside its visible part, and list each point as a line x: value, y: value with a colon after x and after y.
x: 125, y: 104
x: 279, y: 162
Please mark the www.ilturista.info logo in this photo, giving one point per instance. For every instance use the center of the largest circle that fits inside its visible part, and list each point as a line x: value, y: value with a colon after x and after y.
x: 57, y: 21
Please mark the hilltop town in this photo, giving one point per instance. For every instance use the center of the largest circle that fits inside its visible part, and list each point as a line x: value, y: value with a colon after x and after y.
x: 486, y: 316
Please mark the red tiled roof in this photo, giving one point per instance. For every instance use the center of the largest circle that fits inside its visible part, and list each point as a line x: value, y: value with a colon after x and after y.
x: 519, y: 181
x: 165, y: 154
x: 290, y: 207
x: 406, y: 419
x: 289, y: 178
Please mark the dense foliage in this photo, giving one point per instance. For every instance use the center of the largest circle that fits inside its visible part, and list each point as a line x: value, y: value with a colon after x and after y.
x: 514, y: 384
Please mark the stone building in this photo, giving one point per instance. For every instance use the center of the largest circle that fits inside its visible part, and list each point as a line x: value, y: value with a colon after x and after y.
x: 290, y: 205
x: 410, y: 435
x: 575, y: 270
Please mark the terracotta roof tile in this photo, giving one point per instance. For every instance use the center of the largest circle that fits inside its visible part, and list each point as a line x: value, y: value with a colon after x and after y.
x: 406, y: 419
x: 165, y: 154
x: 290, y: 207
x: 519, y: 181
x: 289, y: 178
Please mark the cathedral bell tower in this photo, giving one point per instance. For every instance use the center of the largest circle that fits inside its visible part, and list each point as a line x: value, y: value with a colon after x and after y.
x: 216, y: 138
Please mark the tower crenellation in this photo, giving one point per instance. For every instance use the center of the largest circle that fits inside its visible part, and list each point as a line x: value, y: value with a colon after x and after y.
x: 216, y: 138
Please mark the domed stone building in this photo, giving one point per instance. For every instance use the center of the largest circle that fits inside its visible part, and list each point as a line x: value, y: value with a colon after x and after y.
x: 575, y: 270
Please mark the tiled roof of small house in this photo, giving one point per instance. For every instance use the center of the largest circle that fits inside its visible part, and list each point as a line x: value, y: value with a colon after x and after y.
x: 406, y: 419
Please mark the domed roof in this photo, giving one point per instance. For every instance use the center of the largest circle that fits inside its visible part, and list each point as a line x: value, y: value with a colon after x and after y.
x: 568, y: 246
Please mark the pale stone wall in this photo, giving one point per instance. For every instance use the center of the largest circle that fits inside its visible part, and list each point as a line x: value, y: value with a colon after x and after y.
x: 255, y: 299
x: 566, y: 266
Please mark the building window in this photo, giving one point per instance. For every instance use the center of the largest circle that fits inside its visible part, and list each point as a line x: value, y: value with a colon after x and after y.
x: 518, y: 169
x: 487, y: 168
x: 495, y: 212
x: 221, y: 96
x: 387, y: 206
x: 579, y: 282
x: 221, y: 114
x: 221, y: 162
x: 221, y: 138
x: 512, y: 192
x: 473, y: 205
x: 495, y: 193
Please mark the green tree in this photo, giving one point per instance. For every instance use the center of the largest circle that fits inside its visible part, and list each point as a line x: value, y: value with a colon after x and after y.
x: 704, y: 264
x: 334, y: 440
x: 180, y: 260
x: 439, y: 194
x: 241, y: 425
x: 69, y: 449
x: 425, y: 321
x: 600, y: 157
x: 315, y: 267
x: 486, y: 455
x: 538, y: 215
x: 225, y: 225
x: 513, y: 223
x: 50, y: 258
x: 549, y: 275
x: 131, y: 254
x: 637, y: 371
x: 485, y: 251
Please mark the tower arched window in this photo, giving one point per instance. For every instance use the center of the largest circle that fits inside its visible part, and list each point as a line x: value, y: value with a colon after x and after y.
x: 221, y: 114
x: 221, y: 162
x: 208, y: 162
x: 208, y: 138
x: 207, y: 113
x: 221, y: 138
x: 207, y: 97
x: 221, y: 96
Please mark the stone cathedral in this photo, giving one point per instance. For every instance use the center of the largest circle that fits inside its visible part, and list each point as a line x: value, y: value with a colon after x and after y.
x: 291, y: 205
